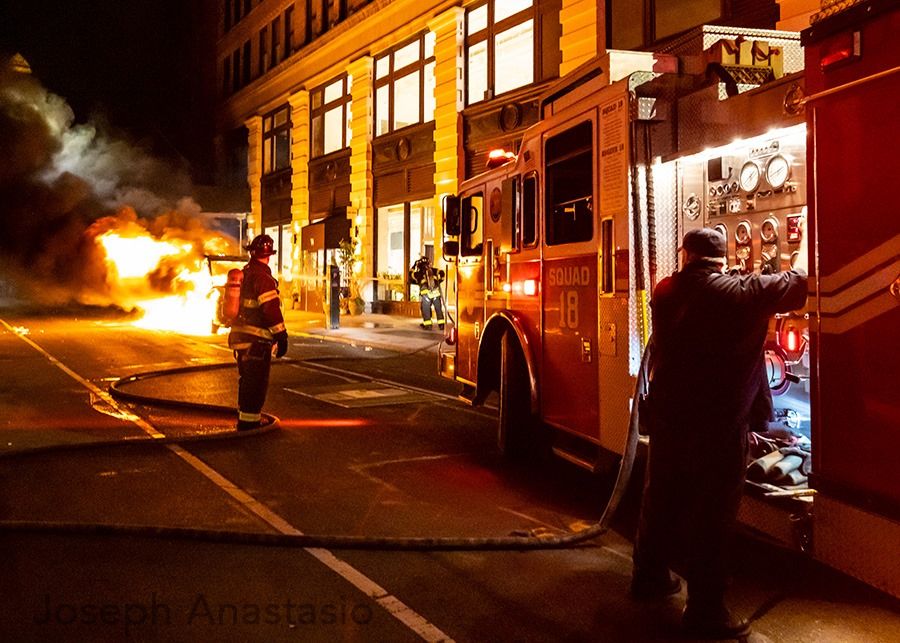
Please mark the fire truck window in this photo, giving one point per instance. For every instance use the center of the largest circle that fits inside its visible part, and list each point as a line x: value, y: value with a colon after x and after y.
x: 529, y: 210
x: 472, y: 225
x: 569, y: 186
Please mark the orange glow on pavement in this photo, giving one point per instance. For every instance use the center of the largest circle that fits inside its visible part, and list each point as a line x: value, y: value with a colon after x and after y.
x: 313, y: 423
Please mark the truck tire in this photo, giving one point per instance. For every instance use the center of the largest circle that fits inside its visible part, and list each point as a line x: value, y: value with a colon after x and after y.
x: 518, y: 430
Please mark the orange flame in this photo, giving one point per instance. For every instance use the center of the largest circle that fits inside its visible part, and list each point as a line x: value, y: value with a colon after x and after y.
x: 167, y: 279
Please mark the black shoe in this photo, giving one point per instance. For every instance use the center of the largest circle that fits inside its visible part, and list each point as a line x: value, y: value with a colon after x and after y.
x: 713, y: 624
x: 651, y: 589
x: 441, y: 326
x: 425, y: 326
x: 243, y: 425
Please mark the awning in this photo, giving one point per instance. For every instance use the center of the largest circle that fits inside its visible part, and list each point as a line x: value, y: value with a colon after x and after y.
x: 323, y: 234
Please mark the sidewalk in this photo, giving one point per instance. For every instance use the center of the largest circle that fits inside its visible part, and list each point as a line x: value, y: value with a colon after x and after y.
x: 389, y: 332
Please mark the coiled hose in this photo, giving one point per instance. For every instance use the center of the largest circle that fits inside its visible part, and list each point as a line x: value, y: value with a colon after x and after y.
x: 331, y: 541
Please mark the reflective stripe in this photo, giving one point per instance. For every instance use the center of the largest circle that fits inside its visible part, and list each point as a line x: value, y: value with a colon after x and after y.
x: 277, y: 328
x: 249, y: 303
x: 252, y: 330
x: 241, y: 346
x: 427, y: 322
x: 249, y: 417
x: 267, y: 296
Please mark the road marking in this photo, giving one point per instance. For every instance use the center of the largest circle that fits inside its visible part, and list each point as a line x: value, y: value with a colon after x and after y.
x: 394, y: 606
x: 103, y: 395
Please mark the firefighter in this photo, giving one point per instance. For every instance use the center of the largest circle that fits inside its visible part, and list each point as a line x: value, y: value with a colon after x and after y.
x: 258, y: 326
x: 708, y: 389
x: 429, y: 281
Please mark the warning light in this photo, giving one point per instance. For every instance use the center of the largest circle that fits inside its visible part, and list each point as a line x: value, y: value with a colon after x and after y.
x: 793, y: 339
x: 790, y: 339
x: 529, y: 287
x: 507, y: 287
x: 499, y: 157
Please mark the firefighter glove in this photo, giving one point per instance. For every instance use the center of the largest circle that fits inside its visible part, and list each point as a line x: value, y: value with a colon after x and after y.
x: 281, y: 339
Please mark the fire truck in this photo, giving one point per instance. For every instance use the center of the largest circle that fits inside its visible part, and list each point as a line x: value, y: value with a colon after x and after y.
x: 557, y: 248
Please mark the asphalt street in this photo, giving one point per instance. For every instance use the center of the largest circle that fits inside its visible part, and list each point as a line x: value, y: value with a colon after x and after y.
x: 372, y: 443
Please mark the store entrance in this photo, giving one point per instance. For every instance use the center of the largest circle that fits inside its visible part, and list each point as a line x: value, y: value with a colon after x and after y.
x: 405, y: 232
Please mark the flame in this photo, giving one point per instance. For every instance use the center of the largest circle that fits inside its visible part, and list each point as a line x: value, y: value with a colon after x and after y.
x: 167, y: 279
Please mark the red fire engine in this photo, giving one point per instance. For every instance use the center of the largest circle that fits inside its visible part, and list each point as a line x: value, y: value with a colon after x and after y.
x: 557, y: 248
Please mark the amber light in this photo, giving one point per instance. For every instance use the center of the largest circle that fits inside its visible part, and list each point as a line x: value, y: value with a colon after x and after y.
x: 529, y: 287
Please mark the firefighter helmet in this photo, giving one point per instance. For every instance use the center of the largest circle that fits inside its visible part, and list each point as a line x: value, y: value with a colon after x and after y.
x: 262, y: 246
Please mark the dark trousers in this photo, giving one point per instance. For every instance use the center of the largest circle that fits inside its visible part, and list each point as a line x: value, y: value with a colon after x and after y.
x: 254, y: 364
x: 425, y: 303
x: 692, y: 492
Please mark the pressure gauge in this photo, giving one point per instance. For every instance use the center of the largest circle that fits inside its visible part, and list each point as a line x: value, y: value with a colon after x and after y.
x: 742, y: 233
x: 778, y: 169
x: 768, y: 232
x: 749, y: 176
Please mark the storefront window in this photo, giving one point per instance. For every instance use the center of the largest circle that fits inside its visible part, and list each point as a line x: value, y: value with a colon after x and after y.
x: 500, y: 48
x: 405, y: 233
x: 276, y: 141
x: 404, y: 85
x: 330, y: 116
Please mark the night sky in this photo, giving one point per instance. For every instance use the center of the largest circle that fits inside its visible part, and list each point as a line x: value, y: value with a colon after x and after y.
x: 138, y: 64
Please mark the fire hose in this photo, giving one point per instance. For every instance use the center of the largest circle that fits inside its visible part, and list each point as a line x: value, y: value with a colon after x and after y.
x: 327, y: 541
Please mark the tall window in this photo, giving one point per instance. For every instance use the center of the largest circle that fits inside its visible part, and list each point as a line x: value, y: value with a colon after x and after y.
x: 245, y: 73
x: 500, y: 48
x: 638, y: 23
x: 277, y: 140
x: 263, y: 51
x: 404, y: 85
x: 330, y: 116
x: 288, y: 32
x: 276, y: 42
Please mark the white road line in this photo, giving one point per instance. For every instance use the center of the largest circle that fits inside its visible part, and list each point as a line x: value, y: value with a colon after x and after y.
x: 394, y: 606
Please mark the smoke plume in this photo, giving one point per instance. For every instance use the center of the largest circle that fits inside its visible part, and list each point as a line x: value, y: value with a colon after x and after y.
x: 61, y: 183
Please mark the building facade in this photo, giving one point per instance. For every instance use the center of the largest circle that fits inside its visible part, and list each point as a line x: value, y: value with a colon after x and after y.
x: 350, y: 119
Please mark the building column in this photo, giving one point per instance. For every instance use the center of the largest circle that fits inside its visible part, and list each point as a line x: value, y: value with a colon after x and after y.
x: 449, y: 87
x: 582, y: 33
x: 254, y: 173
x: 299, y: 102
x: 362, y: 211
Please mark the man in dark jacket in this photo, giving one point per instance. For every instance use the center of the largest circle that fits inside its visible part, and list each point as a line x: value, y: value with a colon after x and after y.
x: 259, y: 325
x: 708, y: 388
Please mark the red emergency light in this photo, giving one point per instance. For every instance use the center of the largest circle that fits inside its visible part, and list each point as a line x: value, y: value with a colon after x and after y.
x: 498, y: 157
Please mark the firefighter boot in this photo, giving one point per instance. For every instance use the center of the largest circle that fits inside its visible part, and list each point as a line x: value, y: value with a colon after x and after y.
x: 645, y: 587
x: 706, y: 623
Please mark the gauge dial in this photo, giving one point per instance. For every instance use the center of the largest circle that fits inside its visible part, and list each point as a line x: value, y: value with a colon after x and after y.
x: 778, y: 169
x: 768, y: 232
x: 749, y: 176
x: 742, y: 233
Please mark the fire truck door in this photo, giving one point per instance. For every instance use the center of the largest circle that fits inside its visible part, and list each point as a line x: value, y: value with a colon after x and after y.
x: 470, y: 287
x: 569, y: 382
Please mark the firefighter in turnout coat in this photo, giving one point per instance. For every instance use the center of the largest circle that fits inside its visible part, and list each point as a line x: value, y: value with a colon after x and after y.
x: 429, y: 281
x: 258, y: 327
x: 708, y: 388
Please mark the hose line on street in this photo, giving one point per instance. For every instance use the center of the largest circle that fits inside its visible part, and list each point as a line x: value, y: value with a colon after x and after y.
x: 530, y: 541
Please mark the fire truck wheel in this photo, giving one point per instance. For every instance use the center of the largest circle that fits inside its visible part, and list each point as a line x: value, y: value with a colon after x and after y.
x: 518, y: 433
